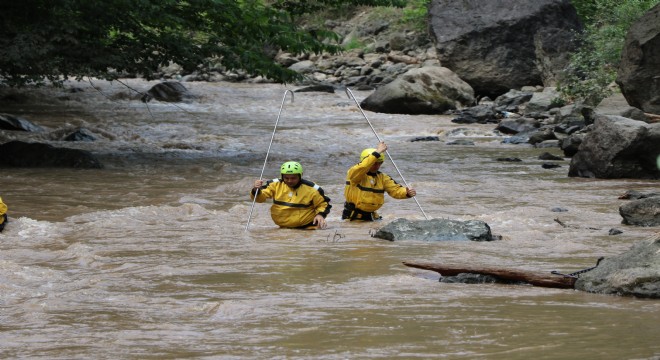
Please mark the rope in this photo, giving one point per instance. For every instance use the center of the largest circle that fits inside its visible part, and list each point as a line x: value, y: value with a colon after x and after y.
x: 268, y: 152
x: 350, y: 95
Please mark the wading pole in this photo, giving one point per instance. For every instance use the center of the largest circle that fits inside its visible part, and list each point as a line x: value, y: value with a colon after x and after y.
x: 350, y: 95
x: 268, y: 152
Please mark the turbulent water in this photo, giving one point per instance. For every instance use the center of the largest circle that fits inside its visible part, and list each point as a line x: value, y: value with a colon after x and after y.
x: 149, y: 257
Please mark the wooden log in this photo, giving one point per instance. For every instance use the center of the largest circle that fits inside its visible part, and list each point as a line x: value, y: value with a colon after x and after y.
x: 531, y: 277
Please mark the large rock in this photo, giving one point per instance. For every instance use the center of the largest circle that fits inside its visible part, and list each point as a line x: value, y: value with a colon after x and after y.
x: 435, y: 230
x: 618, y: 147
x: 638, y: 77
x: 168, y: 91
x: 633, y: 273
x: 641, y: 212
x: 426, y: 90
x: 22, y: 154
x: 498, y: 45
x: 11, y: 122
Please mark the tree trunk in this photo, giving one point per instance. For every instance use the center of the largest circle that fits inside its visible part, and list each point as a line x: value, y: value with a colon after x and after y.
x: 533, y: 278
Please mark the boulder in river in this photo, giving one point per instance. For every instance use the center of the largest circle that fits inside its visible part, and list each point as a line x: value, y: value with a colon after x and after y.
x: 633, y: 273
x: 435, y: 230
x: 22, y: 154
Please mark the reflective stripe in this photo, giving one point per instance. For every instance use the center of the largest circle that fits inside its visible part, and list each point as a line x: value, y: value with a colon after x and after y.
x: 377, y: 191
x: 292, y: 204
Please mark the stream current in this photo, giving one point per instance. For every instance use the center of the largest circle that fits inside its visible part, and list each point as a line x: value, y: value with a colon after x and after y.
x: 149, y: 257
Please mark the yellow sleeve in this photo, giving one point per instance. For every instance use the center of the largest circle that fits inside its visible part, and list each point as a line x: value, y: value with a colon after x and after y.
x: 321, y: 203
x: 3, y: 208
x: 266, y: 192
x: 393, y: 188
x: 358, y: 171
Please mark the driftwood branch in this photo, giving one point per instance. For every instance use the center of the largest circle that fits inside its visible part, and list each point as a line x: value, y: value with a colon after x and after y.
x: 531, y: 277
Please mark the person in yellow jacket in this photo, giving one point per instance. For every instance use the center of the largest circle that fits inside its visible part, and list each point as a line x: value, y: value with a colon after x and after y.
x: 366, y: 186
x: 3, y: 215
x: 297, y: 203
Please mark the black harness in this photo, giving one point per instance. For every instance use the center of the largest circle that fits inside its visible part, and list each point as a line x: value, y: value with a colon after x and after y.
x: 353, y: 213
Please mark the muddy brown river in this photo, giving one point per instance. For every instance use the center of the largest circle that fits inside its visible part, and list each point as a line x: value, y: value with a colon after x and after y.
x: 148, y: 258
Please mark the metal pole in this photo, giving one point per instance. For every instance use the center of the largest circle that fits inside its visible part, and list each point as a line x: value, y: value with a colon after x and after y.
x: 268, y: 152
x: 350, y: 95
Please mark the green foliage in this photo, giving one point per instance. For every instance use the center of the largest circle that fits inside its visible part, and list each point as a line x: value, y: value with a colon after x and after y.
x: 300, y: 7
x: 593, y: 67
x: 53, y: 40
x: 415, y: 14
x: 354, y: 43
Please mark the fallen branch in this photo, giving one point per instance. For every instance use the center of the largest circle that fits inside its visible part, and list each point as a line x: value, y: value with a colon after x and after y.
x: 533, y: 278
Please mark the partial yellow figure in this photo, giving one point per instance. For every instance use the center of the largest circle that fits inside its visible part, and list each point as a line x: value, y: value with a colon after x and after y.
x: 3, y: 215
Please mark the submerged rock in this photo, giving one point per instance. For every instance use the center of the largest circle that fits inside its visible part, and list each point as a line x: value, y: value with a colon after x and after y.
x: 22, y: 154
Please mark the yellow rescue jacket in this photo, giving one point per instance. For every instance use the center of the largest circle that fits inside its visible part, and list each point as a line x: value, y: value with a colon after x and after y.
x: 294, y: 207
x: 367, y: 190
x: 3, y: 211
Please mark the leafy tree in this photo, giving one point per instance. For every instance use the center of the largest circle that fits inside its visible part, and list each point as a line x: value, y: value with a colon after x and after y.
x: 57, y: 39
x: 594, y: 66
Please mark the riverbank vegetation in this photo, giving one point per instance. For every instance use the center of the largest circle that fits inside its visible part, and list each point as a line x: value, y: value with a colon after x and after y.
x: 50, y: 41
x: 44, y: 41
x: 593, y: 68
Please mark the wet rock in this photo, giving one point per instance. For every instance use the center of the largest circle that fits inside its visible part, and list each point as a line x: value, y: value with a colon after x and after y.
x: 548, y: 156
x: 435, y: 230
x: 633, y: 273
x: 425, y: 138
x: 618, y: 147
x: 519, y: 125
x: 550, y: 166
x: 22, y: 154
x: 614, y: 231
x: 641, y: 212
x: 509, y: 159
x: 80, y: 135
x: 571, y: 144
x: 168, y: 91
x: 634, y: 194
x: 11, y: 122
x: 317, y: 88
x: 469, y: 278
x: 461, y: 142
x: 481, y: 114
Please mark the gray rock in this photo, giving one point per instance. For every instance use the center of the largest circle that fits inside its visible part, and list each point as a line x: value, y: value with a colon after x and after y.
x: 427, y: 90
x: 168, y: 91
x: 498, y: 45
x: 435, y: 230
x: 641, y: 212
x: 633, y: 273
x: 11, y: 122
x: 22, y: 154
x: 638, y: 75
x: 618, y: 147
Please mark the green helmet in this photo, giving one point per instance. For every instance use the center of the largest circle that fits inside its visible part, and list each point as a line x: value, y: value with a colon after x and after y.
x: 366, y: 152
x: 291, y: 167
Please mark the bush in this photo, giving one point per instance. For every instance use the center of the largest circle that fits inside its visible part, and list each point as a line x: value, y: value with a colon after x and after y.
x: 594, y: 66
